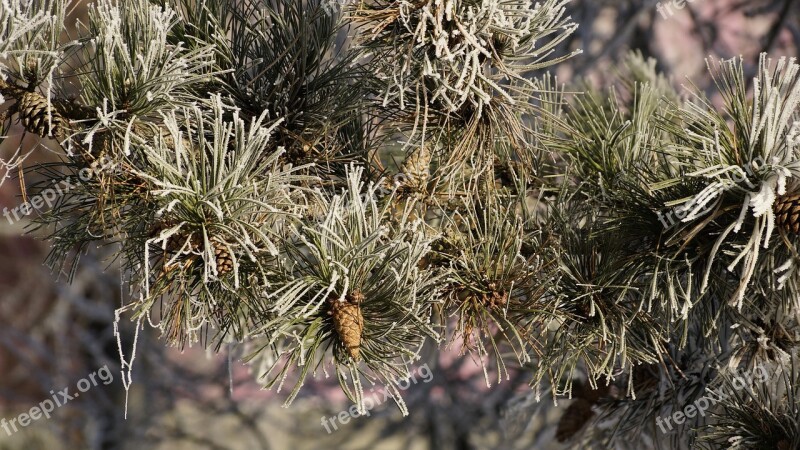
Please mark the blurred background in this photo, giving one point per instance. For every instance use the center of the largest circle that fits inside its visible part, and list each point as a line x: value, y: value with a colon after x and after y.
x: 54, y: 333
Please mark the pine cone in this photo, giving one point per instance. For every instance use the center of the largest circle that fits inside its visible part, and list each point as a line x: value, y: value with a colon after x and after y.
x: 37, y: 115
x: 348, y: 322
x: 416, y: 168
x: 223, y: 257
x: 494, y: 298
x: 174, y: 242
x: 30, y: 70
x: 787, y: 212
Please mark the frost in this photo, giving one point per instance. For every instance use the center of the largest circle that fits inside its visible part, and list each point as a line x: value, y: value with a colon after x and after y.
x: 126, y: 366
x: 470, y: 46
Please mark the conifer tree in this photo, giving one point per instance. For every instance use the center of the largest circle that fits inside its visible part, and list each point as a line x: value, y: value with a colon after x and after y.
x: 335, y: 187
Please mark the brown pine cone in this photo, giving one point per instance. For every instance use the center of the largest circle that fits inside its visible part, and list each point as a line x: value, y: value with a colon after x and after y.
x: 787, y: 212
x: 37, y: 115
x: 223, y: 257
x: 494, y: 297
x: 348, y: 322
x: 416, y: 168
x: 30, y: 70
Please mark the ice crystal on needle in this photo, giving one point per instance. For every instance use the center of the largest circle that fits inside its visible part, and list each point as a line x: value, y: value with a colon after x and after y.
x: 462, y: 52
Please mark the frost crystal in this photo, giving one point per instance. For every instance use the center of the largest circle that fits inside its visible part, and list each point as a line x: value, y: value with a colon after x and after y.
x: 464, y: 52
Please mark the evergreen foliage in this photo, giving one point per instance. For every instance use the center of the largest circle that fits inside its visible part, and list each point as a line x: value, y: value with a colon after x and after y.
x: 333, y: 189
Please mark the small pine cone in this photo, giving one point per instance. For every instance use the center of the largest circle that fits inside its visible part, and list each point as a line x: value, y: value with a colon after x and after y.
x: 495, y: 299
x: 37, y: 115
x: 30, y: 70
x: 223, y: 257
x: 348, y: 322
x: 417, y: 168
x: 177, y: 241
x: 787, y: 212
